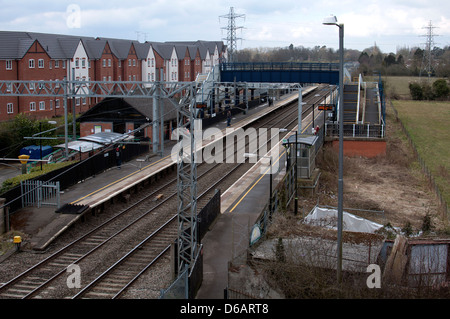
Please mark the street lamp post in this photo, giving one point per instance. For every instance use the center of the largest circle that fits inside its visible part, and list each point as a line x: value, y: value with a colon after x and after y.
x: 332, y: 20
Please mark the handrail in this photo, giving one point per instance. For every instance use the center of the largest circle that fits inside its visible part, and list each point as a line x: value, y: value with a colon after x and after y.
x: 359, y: 98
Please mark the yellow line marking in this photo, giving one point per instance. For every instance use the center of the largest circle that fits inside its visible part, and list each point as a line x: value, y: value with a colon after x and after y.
x: 131, y: 174
x: 248, y: 191
x: 281, y: 155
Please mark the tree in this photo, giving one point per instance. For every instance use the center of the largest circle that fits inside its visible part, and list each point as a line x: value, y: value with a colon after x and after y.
x: 441, y: 89
x: 415, y: 89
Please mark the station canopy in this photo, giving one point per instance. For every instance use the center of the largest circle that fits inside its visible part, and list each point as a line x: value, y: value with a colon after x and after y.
x: 94, y: 141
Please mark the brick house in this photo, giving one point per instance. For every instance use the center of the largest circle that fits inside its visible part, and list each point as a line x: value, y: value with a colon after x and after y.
x: 29, y: 56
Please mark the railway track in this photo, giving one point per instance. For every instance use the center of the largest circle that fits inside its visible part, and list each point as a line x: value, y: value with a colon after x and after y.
x: 129, y: 249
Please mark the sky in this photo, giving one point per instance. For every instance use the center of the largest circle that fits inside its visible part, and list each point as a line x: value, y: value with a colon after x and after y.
x: 390, y: 24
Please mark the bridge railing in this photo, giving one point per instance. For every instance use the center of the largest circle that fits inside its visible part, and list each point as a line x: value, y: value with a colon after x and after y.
x: 356, y: 130
x: 279, y: 66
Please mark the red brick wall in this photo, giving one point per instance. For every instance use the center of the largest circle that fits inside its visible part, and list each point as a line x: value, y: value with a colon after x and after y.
x: 87, y: 128
x: 132, y: 67
x: 4, y: 100
x: 362, y: 148
x: 26, y: 73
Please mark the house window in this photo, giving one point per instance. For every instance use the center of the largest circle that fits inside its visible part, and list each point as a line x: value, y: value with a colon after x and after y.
x: 104, y: 62
x: 8, y: 64
x: 57, y: 104
x: 50, y: 64
x: 9, y: 108
x: 51, y: 104
x: 56, y: 63
x: 31, y: 63
x: 134, y: 62
x: 32, y: 106
x: 148, y: 62
x: 41, y: 63
x: 129, y: 62
x: 97, y: 128
x: 153, y: 62
x: 120, y: 63
x: 41, y: 105
x: 83, y: 100
x: 32, y: 86
x: 109, y: 78
x: 109, y: 62
x: 64, y: 64
x: 83, y: 63
x: 77, y: 63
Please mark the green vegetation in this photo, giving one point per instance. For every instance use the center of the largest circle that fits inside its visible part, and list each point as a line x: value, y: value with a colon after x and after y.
x: 13, y: 133
x: 34, y: 172
x: 427, y: 124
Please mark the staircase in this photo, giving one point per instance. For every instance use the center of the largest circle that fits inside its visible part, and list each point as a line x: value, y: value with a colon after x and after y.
x: 350, y: 103
x: 205, y: 85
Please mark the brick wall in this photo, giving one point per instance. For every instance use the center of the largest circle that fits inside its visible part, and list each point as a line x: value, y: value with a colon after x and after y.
x: 366, y: 148
x: 88, y: 128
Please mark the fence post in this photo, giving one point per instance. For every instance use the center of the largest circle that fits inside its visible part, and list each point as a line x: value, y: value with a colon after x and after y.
x: 39, y: 193
x: 57, y: 195
x: 21, y: 192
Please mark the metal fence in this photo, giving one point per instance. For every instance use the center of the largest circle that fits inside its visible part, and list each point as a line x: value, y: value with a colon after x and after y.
x: 70, y: 175
x: 426, y: 171
x: 289, y: 66
x: 356, y: 130
x: 179, y: 289
x: 39, y: 193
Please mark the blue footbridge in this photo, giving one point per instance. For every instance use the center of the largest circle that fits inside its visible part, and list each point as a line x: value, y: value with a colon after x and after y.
x: 364, y: 107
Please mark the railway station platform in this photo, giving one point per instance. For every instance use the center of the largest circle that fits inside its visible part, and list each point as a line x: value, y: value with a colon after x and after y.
x: 44, y: 225
x: 241, y: 205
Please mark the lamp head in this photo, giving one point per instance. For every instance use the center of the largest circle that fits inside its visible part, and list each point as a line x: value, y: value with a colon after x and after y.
x: 331, y: 20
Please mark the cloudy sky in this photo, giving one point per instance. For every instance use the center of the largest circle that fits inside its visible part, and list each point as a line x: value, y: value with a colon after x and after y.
x: 390, y: 24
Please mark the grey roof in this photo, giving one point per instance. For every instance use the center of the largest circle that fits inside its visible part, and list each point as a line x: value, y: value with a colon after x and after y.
x: 145, y: 107
x: 15, y: 44
x: 12, y: 44
x: 163, y: 49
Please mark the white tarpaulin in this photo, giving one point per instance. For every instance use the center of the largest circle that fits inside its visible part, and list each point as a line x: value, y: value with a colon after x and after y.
x: 326, y: 217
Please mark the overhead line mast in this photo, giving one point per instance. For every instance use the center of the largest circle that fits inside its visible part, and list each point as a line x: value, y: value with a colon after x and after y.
x: 427, y: 61
x: 231, y: 32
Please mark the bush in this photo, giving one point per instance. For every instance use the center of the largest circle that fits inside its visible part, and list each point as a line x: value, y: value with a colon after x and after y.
x: 424, y: 91
x: 416, y: 91
x: 34, y: 172
x: 441, y: 89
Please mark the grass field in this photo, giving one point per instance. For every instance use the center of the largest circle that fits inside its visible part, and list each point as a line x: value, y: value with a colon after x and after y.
x: 428, y: 124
